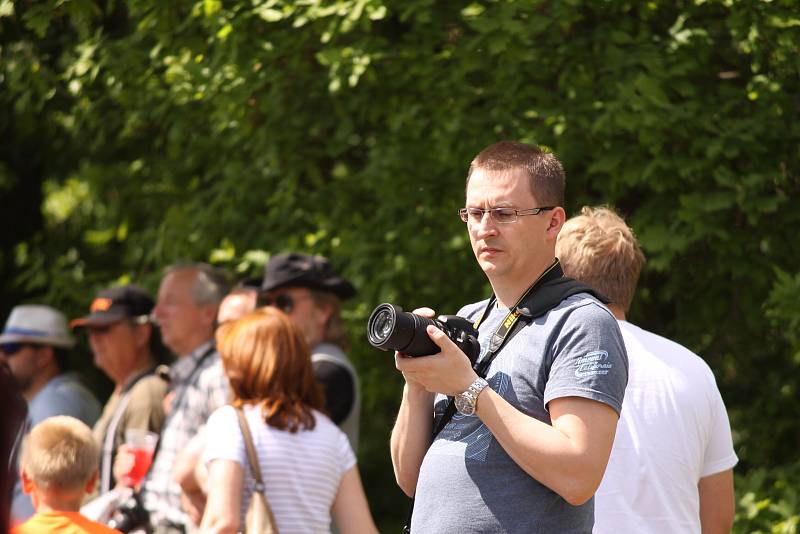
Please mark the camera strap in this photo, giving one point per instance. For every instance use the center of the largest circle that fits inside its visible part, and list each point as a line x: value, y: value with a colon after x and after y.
x: 549, y: 289
x: 526, y: 306
x: 179, y: 398
x: 506, y: 329
x: 109, y: 447
x: 189, y: 380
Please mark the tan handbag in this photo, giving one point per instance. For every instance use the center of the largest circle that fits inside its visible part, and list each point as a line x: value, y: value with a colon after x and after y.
x: 259, y: 519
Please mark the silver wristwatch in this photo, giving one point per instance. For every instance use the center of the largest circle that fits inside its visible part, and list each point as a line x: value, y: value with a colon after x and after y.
x: 467, y: 401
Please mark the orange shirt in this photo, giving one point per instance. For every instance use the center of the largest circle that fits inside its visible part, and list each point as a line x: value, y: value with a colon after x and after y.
x: 61, y: 523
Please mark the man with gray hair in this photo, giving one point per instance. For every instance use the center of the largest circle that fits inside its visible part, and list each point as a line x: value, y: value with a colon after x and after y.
x: 186, y: 310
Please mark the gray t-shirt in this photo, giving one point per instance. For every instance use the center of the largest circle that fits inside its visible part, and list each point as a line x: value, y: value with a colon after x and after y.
x: 467, y: 482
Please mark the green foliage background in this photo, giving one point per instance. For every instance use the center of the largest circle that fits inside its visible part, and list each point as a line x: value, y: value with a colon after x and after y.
x: 139, y: 133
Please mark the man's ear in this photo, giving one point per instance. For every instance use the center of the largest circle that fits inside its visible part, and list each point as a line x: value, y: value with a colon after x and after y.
x: 210, y: 315
x: 27, y: 482
x: 325, y: 310
x: 556, y: 221
x: 89, y: 488
x: 142, y: 334
x: 322, y: 317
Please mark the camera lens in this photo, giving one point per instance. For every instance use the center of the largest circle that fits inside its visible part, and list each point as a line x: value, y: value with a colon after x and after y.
x: 390, y: 328
x: 382, y: 325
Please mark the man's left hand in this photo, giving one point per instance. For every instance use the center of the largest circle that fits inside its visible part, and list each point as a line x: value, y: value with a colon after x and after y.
x: 448, y: 372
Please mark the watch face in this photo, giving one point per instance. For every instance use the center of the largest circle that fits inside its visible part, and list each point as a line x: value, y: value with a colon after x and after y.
x: 463, y: 405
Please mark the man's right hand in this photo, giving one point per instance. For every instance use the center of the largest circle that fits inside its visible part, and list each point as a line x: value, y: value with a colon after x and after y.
x: 123, y: 464
x: 448, y: 372
x: 414, y: 387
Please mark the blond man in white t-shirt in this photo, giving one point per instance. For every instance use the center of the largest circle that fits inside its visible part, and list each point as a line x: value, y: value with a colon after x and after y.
x: 671, y: 467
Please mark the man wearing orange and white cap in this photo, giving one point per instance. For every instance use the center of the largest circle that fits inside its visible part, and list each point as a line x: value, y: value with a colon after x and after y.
x: 127, y: 347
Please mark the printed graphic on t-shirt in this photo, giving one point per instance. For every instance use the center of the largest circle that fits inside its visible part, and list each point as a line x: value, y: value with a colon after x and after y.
x: 468, y: 431
x: 593, y: 364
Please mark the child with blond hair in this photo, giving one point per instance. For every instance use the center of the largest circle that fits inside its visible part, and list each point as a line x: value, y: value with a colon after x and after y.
x: 59, y: 467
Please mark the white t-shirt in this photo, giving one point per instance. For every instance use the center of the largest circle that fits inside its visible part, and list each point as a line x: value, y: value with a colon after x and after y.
x: 673, y: 431
x: 301, y: 471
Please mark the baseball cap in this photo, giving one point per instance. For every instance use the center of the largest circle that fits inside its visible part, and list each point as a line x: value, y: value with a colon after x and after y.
x: 302, y: 270
x: 117, y: 303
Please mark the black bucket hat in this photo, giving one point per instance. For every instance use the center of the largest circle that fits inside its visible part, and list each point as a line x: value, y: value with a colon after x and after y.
x: 302, y: 270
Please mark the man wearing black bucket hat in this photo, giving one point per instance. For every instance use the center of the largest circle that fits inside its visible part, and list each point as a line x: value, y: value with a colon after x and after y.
x: 308, y: 290
x: 127, y: 347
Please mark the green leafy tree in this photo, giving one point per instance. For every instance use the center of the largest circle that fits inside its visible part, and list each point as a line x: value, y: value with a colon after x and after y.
x: 142, y: 132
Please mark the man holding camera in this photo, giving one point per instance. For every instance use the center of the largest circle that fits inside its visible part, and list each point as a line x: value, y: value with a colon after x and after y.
x: 528, y: 441
x: 127, y: 347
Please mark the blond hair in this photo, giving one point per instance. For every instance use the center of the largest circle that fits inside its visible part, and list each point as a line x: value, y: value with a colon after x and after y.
x: 60, y: 453
x: 599, y: 249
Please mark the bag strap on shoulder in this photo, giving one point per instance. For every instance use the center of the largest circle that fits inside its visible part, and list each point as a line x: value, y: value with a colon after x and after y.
x: 271, y: 526
x: 252, y: 457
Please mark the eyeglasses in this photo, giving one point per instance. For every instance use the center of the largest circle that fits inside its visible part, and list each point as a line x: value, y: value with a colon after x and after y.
x: 283, y: 302
x: 498, y: 215
x: 10, y: 349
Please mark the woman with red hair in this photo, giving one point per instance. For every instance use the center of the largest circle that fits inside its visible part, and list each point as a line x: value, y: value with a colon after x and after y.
x: 307, y: 465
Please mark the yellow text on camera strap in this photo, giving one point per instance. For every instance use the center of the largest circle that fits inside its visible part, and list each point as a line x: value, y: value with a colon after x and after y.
x: 500, y: 335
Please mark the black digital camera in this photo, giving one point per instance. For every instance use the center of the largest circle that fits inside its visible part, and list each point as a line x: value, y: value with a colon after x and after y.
x: 130, y: 515
x: 390, y: 328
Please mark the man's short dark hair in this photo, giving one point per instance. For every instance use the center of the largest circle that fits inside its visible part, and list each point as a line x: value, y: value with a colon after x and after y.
x: 544, y: 171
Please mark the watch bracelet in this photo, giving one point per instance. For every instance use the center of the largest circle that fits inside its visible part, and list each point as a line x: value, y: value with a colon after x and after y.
x: 474, y: 390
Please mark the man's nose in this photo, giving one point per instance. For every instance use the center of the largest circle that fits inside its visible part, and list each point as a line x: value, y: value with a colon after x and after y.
x: 487, y: 224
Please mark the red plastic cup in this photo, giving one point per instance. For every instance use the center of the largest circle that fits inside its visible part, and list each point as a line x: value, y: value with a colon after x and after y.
x: 143, y: 444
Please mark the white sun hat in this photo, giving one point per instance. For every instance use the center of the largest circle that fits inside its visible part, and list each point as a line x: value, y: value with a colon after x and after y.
x: 36, y: 323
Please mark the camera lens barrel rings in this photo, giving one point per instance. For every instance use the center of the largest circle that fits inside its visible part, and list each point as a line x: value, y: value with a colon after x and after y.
x: 390, y: 328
